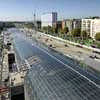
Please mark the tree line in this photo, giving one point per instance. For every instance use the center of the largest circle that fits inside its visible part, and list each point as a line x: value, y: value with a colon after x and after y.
x: 73, y: 33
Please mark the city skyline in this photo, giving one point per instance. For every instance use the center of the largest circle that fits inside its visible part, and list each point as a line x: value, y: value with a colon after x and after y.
x: 24, y: 9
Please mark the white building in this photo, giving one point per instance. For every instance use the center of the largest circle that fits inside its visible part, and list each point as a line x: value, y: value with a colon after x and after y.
x: 91, y: 26
x: 49, y: 19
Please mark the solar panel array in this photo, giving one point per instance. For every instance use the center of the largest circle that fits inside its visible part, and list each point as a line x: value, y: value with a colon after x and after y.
x: 51, y: 80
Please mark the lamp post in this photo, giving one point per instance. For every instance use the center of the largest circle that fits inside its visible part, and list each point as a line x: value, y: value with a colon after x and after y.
x: 35, y: 23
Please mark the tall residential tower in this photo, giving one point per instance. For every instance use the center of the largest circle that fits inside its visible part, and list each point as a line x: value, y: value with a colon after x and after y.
x: 49, y: 19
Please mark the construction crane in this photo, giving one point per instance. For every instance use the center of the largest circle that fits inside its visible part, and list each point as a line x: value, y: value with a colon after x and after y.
x: 35, y: 24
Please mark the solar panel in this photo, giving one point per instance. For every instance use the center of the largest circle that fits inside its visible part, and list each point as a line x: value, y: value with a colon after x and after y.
x: 54, y: 81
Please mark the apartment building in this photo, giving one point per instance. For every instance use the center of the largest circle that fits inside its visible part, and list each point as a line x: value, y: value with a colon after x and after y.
x: 1, y: 24
x: 76, y: 23
x: 71, y: 24
x: 91, y: 26
x: 67, y: 23
x: 49, y: 19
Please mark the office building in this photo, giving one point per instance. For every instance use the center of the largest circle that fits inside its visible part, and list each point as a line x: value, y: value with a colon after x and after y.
x: 49, y: 19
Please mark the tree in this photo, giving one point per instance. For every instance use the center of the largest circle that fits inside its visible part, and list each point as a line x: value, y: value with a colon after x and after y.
x: 65, y: 30
x: 97, y: 36
x: 61, y: 31
x: 29, y: 25
x: 44, y: 28
x: 76, y: 32
x: 54, y: 29
x: 84, y: 34
x: 50, y: 30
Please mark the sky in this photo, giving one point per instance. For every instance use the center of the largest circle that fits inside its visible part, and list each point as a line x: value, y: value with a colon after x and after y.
x: 20, y: 10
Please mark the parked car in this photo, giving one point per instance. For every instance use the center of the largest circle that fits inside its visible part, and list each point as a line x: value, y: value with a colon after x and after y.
x: 93, y: 46
x: 96, y: 52
x: 79, y: 46
x: 66, y: 45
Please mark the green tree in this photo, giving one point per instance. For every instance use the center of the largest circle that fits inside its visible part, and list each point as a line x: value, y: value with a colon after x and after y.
x: 45, y: 29
x: 76, y: 32
x: 65, y: 30
x: 84, y: 34
x: 97, y: 36
x: 61, y: 31
x: 29, y: 25
x: 54, y: 29
x: 50, y: 30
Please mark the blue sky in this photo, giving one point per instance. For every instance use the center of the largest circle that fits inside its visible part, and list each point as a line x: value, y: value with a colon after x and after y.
x: 24, y: 9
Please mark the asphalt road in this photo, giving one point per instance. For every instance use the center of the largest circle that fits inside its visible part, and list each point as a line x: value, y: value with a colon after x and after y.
x: 51, y: 60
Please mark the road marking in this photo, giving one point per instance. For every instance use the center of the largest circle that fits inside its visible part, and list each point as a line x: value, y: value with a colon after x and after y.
x: 67, y: 66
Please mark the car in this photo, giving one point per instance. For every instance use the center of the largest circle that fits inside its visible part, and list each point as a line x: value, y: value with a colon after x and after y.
x: 91, y: 56
x: 79, y: 46
x: 50, y: 45
x: 96, y: 52
x: 94, y: 57
x: 66, y: 45
x: 93, y: 46
x: 46, y: 40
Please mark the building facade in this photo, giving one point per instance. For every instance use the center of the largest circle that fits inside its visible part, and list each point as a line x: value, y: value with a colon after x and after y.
x: 71, y: 24
x: 91, y: 26
x: 59, y: 25
x: 67, y: 23
x: 49, y: 19
x: 76, y: 23
x: 38, y: 24
x: 1, y: 24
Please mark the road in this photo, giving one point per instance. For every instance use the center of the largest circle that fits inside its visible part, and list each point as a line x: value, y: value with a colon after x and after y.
x: 51, y: 60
